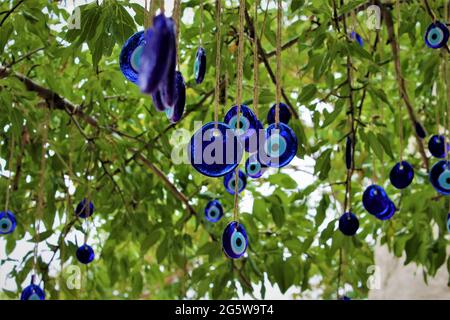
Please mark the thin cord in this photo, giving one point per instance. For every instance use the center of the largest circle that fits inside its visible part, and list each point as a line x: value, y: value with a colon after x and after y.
x: 10, y: 181
x: 201, y: 23
x: 255, y: 61
x: 177, y: 15
x: 161, y: 6
x: 397, y: 10
x: 218, y: 46
x: 278, y: 62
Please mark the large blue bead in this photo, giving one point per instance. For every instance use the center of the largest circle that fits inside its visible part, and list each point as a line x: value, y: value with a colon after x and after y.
x: 375, y: 200
x: 83, y: 211
x: 213, y: 211
x: 229, y: 181
x: 176, y: 112
x: 215, y: 153
x: 440, y: 177
x: 32, y: 292
x: 234, y: 240
x: 436, y: 35
x: 280, y: 146
x: 402, y: 174
x: 436, y: 145
x: 248, y: 123
x: 130, y: 56
x: 7, y: 222
x: 355, y: 36
x: 200, y: 65
x: 285, y: 114
x: 348, y: 224
x: 388, y: 213
x: 85, y: 254
x: 253, y: 167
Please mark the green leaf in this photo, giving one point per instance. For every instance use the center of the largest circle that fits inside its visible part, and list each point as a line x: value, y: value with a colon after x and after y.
x: 323, y: 164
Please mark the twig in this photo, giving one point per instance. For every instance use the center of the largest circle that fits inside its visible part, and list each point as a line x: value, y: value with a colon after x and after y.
x: 10, y: 12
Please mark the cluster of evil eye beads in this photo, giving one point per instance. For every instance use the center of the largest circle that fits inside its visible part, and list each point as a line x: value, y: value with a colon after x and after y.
x: 216, y: 150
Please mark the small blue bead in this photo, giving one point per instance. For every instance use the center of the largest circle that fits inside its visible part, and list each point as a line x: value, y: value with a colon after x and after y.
x: 284, y: 113
x: 420, y: 130
x: 437, y: 35
x: 402, y: 174
x: 440, y: 177
x: 213, y: 211
x: 436, y: 145
x: 448, y: 222
x: 7, y: 222
x: 129, y: 59
x: 234, y: 240
x: 280, y: 146
x: 200, y: 65
x: 176, y: 112
x: 348, y: 224
x: 32, y: 292
x: 253, y: 168
x: 85, y: 254
x: 82, y: 209
x: 375, y: 200
x: 388, y: 213
x: 229, y: 182
x: 357, y: 37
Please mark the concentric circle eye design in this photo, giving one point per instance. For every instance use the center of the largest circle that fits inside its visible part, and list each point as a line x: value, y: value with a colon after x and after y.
x: 440, y: 177
x: 244, y: 124
x: 253, y: 167
x: 213, y: 211
x: 436, y: 145
x: 234, y: 240
x: 436, y: 35
x: 85, y: 254
x: 248, y: 123
x: 375, y: 200
x: 32, y: 292
x: 348, y: 224
x: 200, y: 65
x: 285, y: 114
x: 7, y: 222
x: 280, y: 146
x: 215, y: 155
x: 130, y: 56
x: 83, y: 210
x: 402, y: 174
x: 230, y: 182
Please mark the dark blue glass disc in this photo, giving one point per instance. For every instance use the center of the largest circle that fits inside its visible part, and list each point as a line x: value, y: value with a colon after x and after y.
x: 85, y: 254
x: 32, y: 292
x: 388, y: 213
x: 130, y: 56
x: 348, y: 224
x: 436, y: 35
x: 355, y: 36
x: 247, y: 119
x: 440, y: 177
x: 280, y: 146
x: 157, y: 101
x: 215, y: 153
x: 213, y: 211
x: 436, y: 145
x: 285, y: 114
x: 234, y: 240
x: 229, y: 181
x: 7, y: 222
x: 200, y: 65
x: 420, y: 130
x: 402, y: 174
x: 176, y: 112
x: 83, y: 211
x: 448, y: 222
x: 375, y: 200
x: 253, y: 167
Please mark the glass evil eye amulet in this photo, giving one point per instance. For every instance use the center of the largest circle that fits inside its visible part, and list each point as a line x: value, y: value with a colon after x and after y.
x: 437, y: 146
x: 229, y: 181
x: 253, y: 167
x: 215, y: 152
x: 248, y: 123
x: 213, y: 211
x: 377, y: 203
x: 175, y: 112
x: 200, y: 65
x: 32, y: 292
x: 280, y: 146
x: 83, y: 210
x: 130, y: 56
x: 234, y: 240
x: 436, y: 35
x: 440, y: 177
x: 448, y: 222
x: 348, y: 224
x: 7, y: 222
x: 284, y: 113
x: 401, y: 175
x: 355, y: 36
x: 85, y: 254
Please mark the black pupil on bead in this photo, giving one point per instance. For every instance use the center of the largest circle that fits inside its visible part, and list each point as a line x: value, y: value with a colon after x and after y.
x: 233, y: 183
x: 448, y: 180
x: 4, y: 225
x: 434, y: 36
x: 252, y: 167
x: 238, y: 242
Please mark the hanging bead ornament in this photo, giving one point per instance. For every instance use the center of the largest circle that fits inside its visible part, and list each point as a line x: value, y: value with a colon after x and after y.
x: 436, y: 35
x: 285, y: 114
x: 200, y: 57
x: 130, y: 56
x: 248, y: 125
x: 234, y: 240
x: 437, y: 148
x: 420, y: 130
x: 440, y: 177
x: 402, y: 174
x: 213, y: 211
x: 85, y: 254
x: 32, y: 292
x: 7, y: 222
x: 174, y: 113
x: 448, y: 222
x: 229, y: 182
x: 377, y: 203
x: 253, y: 167
x: 356, y: 37
x: 83, y: 210
x: 348, y: 223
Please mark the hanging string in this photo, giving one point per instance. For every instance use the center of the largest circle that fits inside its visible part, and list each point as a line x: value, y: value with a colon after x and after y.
x: 264, y: 20
x: 255, y: 61
x: 146, y: 15
x: 161, y: 6
x: 278, y: 62
x: 10, y: 167
x: 201, y: 23
x: 400, y: 124
x: 177, y: 16
x: 218, y: 53
x: 240, y: 74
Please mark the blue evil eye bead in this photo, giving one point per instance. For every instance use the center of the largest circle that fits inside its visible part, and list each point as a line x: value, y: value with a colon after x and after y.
x: 168, y: 85
x: 355, y: 36
x: 437, y: 35
x: 348, y: 153
x: 375, y: 200
x: 230, y: 181
x: 200, y: 65
x: 248, y: 123
x: 7, y: 222
x: 157, y: 101
x: 213, y: 211
x: 85, y: 254
x: 285, y: 114
x: 448, y: 222
x: 253, y: 167
x: 214, y: 153
x: 234, y: 240
x: 32, y: 292
x: 130, y: 56
x: 440, y: 177
x: 157, y: 53
x: 420, y: 130
x: 348, y: 224
x: 402, y: 174
x: 83, y: 211
x: 280, y: 146
x: 251, y: 143
x: 436, y: 145
x: 176, y: 112
x: 388, y: 213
